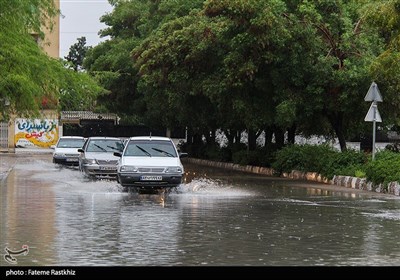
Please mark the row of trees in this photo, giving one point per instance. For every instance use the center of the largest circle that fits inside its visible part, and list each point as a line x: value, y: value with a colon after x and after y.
x: 257, y: 65
x: 29, y: 77
x: 277, y: 66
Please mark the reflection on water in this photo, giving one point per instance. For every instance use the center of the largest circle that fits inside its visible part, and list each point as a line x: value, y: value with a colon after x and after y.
x: 214, y: 218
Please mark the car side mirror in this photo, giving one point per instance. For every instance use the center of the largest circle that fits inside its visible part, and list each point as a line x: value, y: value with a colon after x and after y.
x: 117, y: 154
x: 183, y: 155
x: 81, y: 150
x: 53, y: 147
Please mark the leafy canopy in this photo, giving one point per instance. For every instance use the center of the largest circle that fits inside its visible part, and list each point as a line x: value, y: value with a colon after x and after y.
x: 28, y: 75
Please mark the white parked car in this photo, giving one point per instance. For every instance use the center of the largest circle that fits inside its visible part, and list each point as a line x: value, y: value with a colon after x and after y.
x: 66, y: 150
x: 97, y: 156
x: 150, y: 163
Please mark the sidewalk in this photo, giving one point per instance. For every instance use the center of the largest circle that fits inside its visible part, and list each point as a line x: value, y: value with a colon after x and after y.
x: 8, y: 160
x: 33, y: 151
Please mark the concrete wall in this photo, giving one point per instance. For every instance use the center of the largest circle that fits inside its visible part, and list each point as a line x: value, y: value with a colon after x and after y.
x: 45, y: 115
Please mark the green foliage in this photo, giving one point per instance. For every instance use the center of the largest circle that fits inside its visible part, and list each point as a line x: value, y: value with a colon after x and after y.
x: 249, y: 64
x: 345, y: 163
x: 247, y: 158
x: 328, y: 162
x: 28, y: 75
x: 315, y: 158
x: 321, y: 159
x: 77, y: 54
x: 307, y: 158
x: 359, y: 173
x: 77, y: 90
x: 385, y: 168
x: 385, y: 15
x: 26, y: 17
x: 129, y: 24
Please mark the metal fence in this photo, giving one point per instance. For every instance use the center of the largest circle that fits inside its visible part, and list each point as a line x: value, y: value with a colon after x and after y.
x: 3, y: 135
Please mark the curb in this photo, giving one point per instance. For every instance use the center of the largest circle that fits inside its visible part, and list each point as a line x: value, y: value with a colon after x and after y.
x: 392, y: 188
x: 4, y: 174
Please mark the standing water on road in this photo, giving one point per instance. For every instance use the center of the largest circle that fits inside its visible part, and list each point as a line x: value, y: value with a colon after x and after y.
x: 215, y: 218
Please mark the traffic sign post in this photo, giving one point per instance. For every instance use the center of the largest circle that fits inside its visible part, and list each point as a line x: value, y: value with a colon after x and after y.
x: 373, y: 115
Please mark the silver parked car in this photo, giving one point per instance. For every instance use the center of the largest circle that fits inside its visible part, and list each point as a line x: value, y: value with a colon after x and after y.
x: 97, y: 156
x: 65, y: 152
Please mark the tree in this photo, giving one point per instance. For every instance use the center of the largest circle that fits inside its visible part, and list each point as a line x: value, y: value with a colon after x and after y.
x: 216, y: 55
x: 385, y: 15
x: 27, y: 74
x: 272, y: 65
x: 128, y: 24
x: 77, y: 53
x: 343, y: 48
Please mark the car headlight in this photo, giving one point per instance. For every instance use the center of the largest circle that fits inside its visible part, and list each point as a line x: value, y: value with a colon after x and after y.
x: 174, y: 169
x: 128, y: 168
x: 89, y: 161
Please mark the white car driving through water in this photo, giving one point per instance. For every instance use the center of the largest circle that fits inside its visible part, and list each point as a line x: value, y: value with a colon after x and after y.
x: 97, y: 156
x: 150, y: 163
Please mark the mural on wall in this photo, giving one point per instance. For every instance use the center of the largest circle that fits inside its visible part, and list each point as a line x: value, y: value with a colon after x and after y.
x: 36, y: 133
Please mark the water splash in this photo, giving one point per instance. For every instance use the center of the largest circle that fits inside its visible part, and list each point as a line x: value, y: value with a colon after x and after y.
x: 296, y: 201
x: 211, y: 187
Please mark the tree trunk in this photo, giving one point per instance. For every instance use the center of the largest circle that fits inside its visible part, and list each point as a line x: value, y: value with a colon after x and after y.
x: 268, y: 136
x: 336, y: 120
x: 189, y: 137
x: 210, y: 138
x: 291, y: 134
x: 279, y: 137
x: 237, y: 137
x: 252, y: 140
x: 230, y: 136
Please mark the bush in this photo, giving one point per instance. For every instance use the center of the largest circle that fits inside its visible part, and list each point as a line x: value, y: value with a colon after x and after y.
x: 247, y: 158
x: 395, y: 147
x: 322, y: 159
x: 262, y: 156
x: 345, y: 163
x: 356, y: 170
x: 385, y: 168
x: 306, y: 158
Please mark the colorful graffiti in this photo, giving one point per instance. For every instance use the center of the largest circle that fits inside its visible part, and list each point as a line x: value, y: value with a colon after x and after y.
x: 36, y: 133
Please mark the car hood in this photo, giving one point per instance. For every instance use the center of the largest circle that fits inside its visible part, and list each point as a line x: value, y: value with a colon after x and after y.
x: 101, y: 156
x: 151, y: 161
x: 66, y: 150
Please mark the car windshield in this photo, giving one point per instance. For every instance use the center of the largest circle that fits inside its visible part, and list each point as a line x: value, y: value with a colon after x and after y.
x: 153, y: 148
x: 70, y: 143
x: 105, y: 146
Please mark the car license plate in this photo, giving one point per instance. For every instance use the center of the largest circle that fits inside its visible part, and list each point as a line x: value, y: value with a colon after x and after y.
x: 151, y: 178
x: 108, y: 168
x: 72, y: 159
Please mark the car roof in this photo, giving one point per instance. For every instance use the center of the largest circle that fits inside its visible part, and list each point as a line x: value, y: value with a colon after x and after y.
x: 104, y: 138
x: 72, y: 137
x: 150, y: 138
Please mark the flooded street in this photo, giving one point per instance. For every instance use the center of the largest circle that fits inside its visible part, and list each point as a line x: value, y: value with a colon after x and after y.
x: 216, y: 218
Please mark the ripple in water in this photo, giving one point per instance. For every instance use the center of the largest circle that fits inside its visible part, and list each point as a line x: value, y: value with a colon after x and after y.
x: 387, y: 215
x: 210, y: 187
